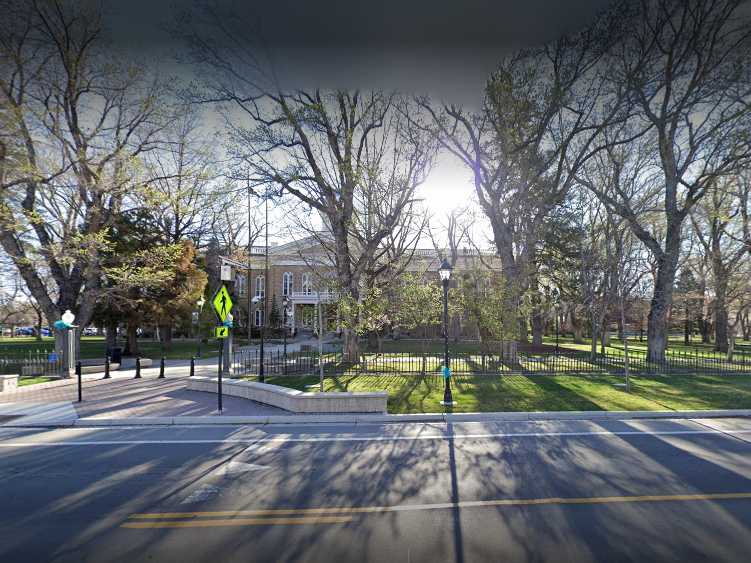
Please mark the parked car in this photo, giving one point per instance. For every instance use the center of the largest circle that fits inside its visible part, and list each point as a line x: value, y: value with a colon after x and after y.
x: 25, y: 331
x: 89, y: 331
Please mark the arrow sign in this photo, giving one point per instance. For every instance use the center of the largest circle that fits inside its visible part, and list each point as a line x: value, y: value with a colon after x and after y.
x: 222, y: 303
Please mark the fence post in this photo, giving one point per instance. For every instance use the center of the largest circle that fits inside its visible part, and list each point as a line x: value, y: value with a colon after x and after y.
x: 106, y: 367
x: 161, y: 368
x: 80, y: 382
x: 138, y: 368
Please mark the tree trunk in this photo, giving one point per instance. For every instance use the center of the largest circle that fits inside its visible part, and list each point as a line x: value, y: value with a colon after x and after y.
x: 351, y: 346
x: 110, y: 330
x: 621, y: 333
x: 731, y: 344
x: 704, y: 331
x: 746, y: 327
x: 538, y: 326
x: 165, y: 333
x: 577, y: 328
x: 131, y: 346
x: 372, y: 341
x: 39, y: 324
x: 523, y: 335
x: 721, y: 317
x: 657, y: 321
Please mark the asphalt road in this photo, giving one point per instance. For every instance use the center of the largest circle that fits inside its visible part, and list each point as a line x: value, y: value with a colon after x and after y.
x: 545, y: 491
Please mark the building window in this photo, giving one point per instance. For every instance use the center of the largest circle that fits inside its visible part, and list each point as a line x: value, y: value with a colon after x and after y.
x: 260, y: 286
x: 259, y: 317
x: 287, y: 283
x: 241, y: 284
x: 307, y: 287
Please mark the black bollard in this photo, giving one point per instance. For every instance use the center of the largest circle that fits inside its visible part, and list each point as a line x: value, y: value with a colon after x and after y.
x: 192, y: 366
x: 107, y: 367
x: 80, y: 382
x: 161, y: 368
x: 138, y: 368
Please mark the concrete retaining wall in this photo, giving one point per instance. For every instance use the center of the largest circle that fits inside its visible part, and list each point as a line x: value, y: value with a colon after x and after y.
x: 8, y: 383
x: 294, y: 400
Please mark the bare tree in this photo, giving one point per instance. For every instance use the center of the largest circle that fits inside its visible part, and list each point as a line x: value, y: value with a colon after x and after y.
x: 183, y: 193
x: 327, y: 149
x: 82, y: 122
x: 541, y: 119
x: 682, y: 65
x: 717, y: 225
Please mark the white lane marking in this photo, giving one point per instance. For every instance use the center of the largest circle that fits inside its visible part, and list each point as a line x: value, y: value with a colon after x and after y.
x: 283, y: 439
x: 238, y: 467
x: 200, y: 495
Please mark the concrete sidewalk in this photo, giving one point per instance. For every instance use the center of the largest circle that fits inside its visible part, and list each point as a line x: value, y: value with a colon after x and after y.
x: 123, y: 400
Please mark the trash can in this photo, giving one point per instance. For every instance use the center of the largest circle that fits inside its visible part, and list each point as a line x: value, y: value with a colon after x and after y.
x: 116, y: 355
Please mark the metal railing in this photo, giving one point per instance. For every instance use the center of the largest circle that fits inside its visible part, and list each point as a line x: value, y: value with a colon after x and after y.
x: 564, y: 362
x: 39, y: 363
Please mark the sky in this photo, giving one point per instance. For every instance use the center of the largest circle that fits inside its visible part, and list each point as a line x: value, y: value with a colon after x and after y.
x: 442, y: 48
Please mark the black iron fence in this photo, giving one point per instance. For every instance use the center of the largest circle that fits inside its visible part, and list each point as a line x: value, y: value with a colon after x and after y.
x: 39, y: 363
x: 564, y: 362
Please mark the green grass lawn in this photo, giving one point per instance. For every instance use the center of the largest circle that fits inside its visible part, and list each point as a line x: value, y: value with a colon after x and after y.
x: 676, y: 346
x: 33, y: 380
x: 420, y: 394
x: 94, y: 347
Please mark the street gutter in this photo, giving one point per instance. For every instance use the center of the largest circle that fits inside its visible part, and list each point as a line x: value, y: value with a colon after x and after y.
x: 349, y: 419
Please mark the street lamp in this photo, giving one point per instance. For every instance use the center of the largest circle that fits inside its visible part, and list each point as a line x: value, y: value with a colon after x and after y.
x: 285, y: 304
x: 444, y: 272
x: 200, y: 303
x: 68, y: 317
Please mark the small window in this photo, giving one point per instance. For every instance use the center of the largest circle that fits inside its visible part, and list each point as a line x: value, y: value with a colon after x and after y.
x: 260, y: 286
x: 259, y: 317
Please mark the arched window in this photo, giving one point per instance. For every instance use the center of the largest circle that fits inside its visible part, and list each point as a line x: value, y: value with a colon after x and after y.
x: 260, y: 286
x: 241, y: 284
x: 287, y: 283
x: 307, y: 287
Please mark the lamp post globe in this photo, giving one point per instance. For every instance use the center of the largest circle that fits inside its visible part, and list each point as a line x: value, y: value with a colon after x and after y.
x: 68, y: 317
x: 444, y: 273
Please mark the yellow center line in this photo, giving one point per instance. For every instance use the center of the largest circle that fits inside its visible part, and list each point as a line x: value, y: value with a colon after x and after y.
x: 238, y: 522
x: 438, y: 506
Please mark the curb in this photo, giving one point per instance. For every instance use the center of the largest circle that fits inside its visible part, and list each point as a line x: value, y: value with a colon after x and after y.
x: 231, y: 420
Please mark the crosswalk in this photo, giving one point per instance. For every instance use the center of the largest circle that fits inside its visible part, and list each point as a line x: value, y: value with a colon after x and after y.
x: 59, y: 412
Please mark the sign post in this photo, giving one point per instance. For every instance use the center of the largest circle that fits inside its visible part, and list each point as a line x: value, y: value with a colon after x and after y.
x: 222, y: 306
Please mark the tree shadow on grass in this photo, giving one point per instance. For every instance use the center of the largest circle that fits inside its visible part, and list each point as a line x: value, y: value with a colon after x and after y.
x: 522, y: 393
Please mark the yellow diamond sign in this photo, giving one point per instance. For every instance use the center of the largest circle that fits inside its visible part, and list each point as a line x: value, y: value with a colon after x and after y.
x: 222, y: 303
x: 221, y: 332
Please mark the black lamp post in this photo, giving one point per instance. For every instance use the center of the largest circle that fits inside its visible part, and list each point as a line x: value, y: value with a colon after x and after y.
x: 444, y: 272
x: 285, y: 304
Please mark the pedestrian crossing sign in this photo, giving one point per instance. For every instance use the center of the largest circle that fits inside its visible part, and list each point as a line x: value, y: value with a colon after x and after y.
x: 222, y: 303
x: 221, y: 331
